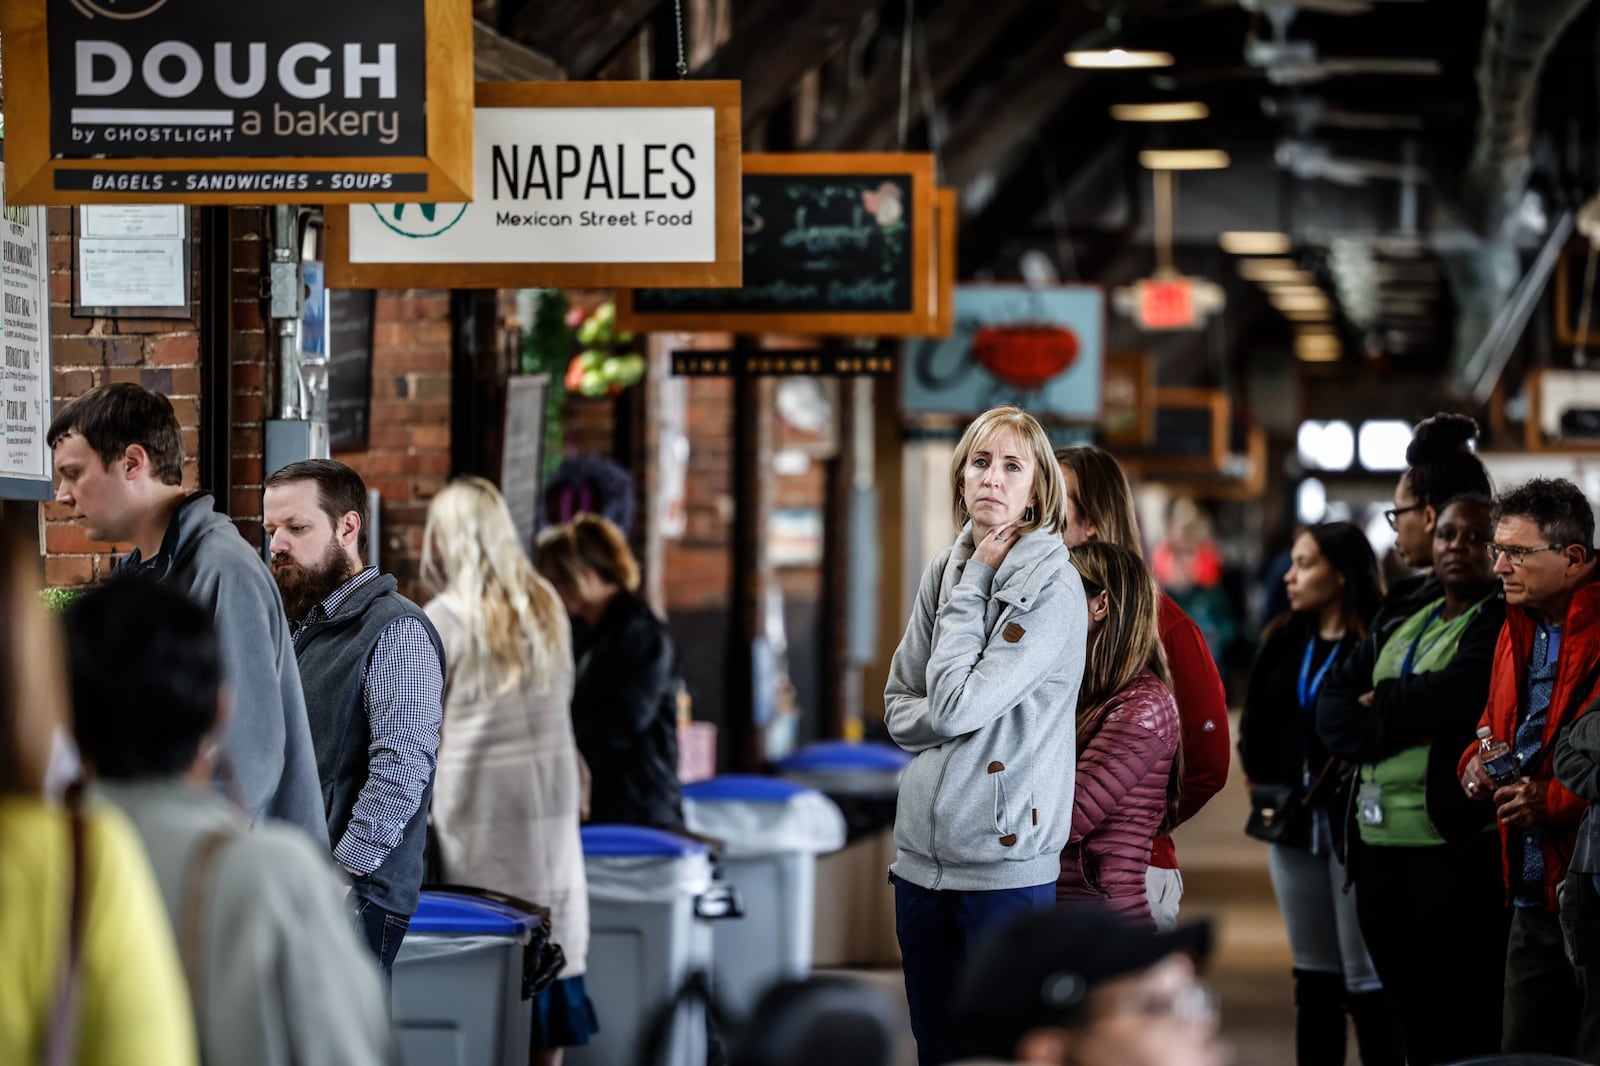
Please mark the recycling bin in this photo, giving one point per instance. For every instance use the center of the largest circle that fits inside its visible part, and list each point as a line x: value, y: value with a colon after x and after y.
x: 772, y: 831
x: 853, y: 921
x: 459, y: 993
x: 652, y: 898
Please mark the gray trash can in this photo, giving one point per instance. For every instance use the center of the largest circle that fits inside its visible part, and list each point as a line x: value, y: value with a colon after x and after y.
x: 651, y: 901
x: 459, y: 995
x: 772, y: 832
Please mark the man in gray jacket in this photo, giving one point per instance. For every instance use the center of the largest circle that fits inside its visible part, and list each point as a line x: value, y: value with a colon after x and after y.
x: 119, y: 462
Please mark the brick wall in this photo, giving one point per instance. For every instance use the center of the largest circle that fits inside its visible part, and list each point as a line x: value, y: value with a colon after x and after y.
x: 254, y: 383
x: 407, y: 458
x: 160, y: 354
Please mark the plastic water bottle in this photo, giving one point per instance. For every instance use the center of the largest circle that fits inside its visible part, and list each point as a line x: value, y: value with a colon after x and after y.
x: 1499, y: 761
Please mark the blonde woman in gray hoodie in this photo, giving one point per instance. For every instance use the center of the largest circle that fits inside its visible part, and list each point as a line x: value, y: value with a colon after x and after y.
x: 983, y: 690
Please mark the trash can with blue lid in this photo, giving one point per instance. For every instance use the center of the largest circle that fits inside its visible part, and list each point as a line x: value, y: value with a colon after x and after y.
x: 772, y: 831
x: 459, y: 995
x: 652, y: 897
x: 854, y: 912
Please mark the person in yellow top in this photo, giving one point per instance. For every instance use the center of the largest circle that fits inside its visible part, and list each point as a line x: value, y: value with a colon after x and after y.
x: 129, y: 1004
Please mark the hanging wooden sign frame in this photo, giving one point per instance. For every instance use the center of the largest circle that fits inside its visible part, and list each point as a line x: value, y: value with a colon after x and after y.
x: 722, y: 97
x: 38, y: 176
x: 921, y: 318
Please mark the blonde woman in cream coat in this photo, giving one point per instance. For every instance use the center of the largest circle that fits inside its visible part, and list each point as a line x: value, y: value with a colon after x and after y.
x: 506, y: 797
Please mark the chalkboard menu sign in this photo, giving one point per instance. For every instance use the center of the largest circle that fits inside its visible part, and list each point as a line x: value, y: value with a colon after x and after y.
x: 349, y: 330
x: 840, y: 243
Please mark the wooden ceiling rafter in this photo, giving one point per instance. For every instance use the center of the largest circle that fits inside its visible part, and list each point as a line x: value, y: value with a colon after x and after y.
x: 776, y: 43
x: 580, y: 36
x: 957, y: 35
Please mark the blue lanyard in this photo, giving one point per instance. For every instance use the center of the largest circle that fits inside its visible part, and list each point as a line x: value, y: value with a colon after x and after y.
x: 1309, y: 686
x: 1411, y: 652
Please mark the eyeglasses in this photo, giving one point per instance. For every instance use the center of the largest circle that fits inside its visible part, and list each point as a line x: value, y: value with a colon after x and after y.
x: 1393, y: 514
x: 1519, y: 555
x: 1195, y: 1003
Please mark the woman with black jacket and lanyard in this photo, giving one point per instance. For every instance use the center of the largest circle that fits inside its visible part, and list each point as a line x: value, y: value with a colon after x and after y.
x: 1298, y: 794
x: 1424, y: 858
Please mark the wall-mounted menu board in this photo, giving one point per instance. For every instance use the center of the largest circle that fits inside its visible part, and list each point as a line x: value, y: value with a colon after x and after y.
x: 833, y: 243
x: 349, y: 327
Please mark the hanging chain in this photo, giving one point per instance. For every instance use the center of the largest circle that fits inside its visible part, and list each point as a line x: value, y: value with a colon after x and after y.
x: 683, y: 61
x: 904, y: 126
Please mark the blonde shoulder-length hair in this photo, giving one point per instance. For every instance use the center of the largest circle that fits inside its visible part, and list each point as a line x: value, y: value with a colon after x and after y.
x: 1049, y: 488
x: 515, y: 625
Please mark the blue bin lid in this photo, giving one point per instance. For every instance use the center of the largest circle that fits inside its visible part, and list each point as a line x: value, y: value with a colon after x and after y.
x: 744, y: 788
x: 843, y: 755
x: 446, y: 912
x: 608, y: 841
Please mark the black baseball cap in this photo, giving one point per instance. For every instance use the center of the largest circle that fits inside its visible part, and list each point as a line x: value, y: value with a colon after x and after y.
x: 1038, y: 969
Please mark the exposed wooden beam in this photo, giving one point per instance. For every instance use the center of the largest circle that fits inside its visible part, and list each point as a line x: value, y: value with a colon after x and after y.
x: 776, y: 43
x: 987, y: 141
x: 497, y: 58
x: 956, y: 36
x: 580, y: 35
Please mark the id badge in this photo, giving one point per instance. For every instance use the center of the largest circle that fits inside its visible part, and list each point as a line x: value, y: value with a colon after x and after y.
x: 1369, y: 804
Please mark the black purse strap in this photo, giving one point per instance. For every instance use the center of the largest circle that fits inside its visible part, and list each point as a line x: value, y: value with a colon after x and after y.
x: 61, y: 1044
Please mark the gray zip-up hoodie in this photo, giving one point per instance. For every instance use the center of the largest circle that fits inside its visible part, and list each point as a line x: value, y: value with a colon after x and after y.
x: 267, y: 740
x: 984, y: 689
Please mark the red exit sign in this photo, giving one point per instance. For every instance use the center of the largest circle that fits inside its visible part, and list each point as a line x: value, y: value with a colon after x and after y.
x: 1166, y: 303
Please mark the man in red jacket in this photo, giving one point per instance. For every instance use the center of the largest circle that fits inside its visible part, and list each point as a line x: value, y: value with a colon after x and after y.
x: 1545, y: 668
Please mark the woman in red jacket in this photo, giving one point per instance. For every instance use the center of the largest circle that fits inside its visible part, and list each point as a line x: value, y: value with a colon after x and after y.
x: 1100, y: 508
x: 1127, y: 772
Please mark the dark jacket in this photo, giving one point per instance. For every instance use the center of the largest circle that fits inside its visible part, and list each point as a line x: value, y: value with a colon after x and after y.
x: 267, y: 742
x: 624, y: 715
x: 1404, y: 599
x: 1577, y: 766
x: 1275, y: 745
x: 1439, y: 708
x: 333, y: 656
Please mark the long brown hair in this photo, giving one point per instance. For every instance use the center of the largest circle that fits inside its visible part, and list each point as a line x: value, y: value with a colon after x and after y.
x: 588, y: 542
x: 1123, y: 646
x: 33, y: 688
x: 1102, y: 497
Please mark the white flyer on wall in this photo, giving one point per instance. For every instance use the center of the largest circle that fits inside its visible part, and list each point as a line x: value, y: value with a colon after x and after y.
x: 25, y: 336
x: 132, y: 255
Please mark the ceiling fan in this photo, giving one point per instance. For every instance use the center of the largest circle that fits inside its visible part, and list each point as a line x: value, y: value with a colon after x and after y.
x: 1306, y: 113
x: 1312, y: 161
x: 1295, y: 62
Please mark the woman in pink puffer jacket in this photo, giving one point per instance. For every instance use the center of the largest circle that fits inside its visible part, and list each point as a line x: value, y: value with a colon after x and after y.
x: 1129, y: 762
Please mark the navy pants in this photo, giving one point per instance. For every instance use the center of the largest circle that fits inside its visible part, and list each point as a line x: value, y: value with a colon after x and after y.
x: 936, y: 928
x: 382, y: 930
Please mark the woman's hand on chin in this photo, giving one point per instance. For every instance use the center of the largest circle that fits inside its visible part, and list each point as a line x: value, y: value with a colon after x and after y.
x: 995, y: 545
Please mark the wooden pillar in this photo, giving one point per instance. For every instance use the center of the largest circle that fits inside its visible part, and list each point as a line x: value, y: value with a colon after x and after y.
x: 888, y: 450
x: 749, y: 691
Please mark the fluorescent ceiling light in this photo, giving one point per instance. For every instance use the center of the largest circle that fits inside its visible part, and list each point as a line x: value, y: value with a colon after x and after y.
x: 1243, y: 243
x: 1382, y: 444
x: 1117, y: 59
x: 1184, y: 159
x: 1300, y: 303
x: 1291, y: 288
x: 1179, y: 111
x: 1306, y: 316
x: 1326, y: 445
x: 1318, y: 350
x: 1271, y: 270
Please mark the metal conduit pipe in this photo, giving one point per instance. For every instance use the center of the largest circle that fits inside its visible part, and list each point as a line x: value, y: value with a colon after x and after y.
x: 1518, y: 35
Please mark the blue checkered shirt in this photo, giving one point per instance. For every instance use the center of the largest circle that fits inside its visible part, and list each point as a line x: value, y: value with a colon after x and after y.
x: 403, y: 689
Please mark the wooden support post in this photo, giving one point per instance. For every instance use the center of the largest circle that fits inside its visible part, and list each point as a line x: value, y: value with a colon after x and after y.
x: 752, y: 574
